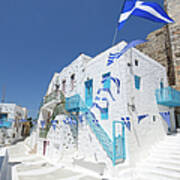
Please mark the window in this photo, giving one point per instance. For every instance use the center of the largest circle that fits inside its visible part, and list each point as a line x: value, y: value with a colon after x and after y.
x: 3, y: 117
x: 89, y: 92
x: 64, y: 86
x: 72, y: 81
x: 104, y: 114
x: 161, y: 85
x: 154, y: 118
x: 107, y: 82
x: 137, y: 80
x: 136, y: 62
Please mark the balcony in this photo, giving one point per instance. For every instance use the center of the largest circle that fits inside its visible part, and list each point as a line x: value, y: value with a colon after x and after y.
x: 168, y: 97
x: 73, y: 103
x: 5, y: 124
x: 54, y: 96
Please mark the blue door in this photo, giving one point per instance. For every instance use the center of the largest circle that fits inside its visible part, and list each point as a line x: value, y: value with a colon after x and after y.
x: 119, y: 152
x: 89, y: 92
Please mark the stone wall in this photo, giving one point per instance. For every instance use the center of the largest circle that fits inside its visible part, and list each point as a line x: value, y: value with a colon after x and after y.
x: 173, y: 9
x: 158, y: 48
x: 164, y: 44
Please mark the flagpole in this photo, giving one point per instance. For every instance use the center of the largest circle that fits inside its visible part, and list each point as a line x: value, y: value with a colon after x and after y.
x: 116, y: 30
x: 115, y: 36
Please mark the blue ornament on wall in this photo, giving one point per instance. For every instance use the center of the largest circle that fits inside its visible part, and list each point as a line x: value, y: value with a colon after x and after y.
x: 141, y: 117
x: 166, y: 117
x: 127, y: 122
x: 43, y: 124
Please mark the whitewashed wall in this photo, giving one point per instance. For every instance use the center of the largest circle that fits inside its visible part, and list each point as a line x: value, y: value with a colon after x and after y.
x: 78, y: 68
x: 14, y: 113
x: 51, y: 86
x: 9, y: 109
x: 152, y: 128
x: 95, y: 70
x: 142, y: 136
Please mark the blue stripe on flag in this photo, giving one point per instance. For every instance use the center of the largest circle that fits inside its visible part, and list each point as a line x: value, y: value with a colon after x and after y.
x: 146, y: 15
x: 148, y: 10
x: 129, y: 5
x: 158, y: 8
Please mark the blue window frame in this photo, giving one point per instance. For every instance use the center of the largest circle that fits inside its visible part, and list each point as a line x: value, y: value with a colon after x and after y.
x: 3, y: 117
x: 161, y: 85
x: 107, y: 83
x: 89, y: 92
x: 104, y: 114
x: 137, y: 80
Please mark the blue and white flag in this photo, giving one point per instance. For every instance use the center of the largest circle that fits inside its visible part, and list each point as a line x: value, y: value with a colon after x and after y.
x: 119, y: 54
x: 148, y: 10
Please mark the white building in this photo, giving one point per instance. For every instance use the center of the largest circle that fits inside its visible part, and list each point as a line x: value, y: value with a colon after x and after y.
x: 115, y: 117
x: 11, y: 122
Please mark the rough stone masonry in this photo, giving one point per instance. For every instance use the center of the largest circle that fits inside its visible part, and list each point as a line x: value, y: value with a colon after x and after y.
x: 164, y: 44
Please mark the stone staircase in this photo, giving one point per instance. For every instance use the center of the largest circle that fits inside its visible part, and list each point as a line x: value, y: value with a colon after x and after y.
x: 163, y: 162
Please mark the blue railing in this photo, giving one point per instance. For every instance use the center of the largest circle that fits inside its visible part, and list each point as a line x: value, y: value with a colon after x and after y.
x: 5, y: 123
x: 75, y: 103
x: 168, y: 97
x: 72, y: 103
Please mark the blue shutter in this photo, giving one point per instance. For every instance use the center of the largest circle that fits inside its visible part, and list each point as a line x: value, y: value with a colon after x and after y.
x: 161, y: 85
x: 107, y: 83
x: 137, y: 80
x: 104, y: 114
x: 89, y: 92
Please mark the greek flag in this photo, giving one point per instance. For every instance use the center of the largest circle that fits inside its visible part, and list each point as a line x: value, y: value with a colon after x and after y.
x: 148, y: 10
x: 116, y: 56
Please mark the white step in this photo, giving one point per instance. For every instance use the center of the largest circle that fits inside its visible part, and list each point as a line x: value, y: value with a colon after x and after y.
x: 163, y: 160
x: 167, y: 147
x: 170, y: 143
x: 166, y: 156
x: 165, y: 150
x: 152, y: 176
x: 161, y: 173
x: 162, y: 166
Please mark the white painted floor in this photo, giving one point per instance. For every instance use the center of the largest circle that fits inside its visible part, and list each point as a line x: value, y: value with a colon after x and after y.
x: 162, y: 164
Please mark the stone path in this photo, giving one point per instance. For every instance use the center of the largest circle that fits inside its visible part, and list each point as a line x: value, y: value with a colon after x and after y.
x: 162, y: 164
x: 34, y: 167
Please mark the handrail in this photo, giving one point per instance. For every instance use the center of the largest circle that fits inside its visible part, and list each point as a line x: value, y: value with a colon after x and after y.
x: 76, y: 102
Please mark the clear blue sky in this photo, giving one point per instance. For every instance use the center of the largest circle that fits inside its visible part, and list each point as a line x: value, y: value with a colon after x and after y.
x: 40, y: 37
